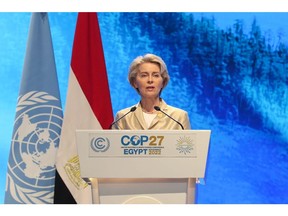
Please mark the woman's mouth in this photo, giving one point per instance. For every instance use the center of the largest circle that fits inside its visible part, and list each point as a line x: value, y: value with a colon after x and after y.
x: 149, y: 88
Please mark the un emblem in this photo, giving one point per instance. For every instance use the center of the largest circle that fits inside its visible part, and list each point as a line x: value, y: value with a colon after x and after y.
x: 35, y: 140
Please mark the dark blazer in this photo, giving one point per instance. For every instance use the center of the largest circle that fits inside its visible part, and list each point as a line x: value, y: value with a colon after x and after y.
x: 135, y: 120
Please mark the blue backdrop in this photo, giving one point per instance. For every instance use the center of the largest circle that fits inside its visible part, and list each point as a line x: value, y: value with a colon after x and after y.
x: 228, y: 70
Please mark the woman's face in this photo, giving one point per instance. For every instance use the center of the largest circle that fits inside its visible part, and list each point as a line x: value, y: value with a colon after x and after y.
x: 148, y: 80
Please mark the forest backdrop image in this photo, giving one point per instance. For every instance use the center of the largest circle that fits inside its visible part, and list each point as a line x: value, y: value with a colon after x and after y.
x: 232, y: 81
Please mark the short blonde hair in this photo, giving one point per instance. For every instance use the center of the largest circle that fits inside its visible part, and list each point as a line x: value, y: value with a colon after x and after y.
x: 150, y: 58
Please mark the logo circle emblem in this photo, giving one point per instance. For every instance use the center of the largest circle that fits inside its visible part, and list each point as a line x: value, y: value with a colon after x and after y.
x: 100, y: 144
x: 135, y: 140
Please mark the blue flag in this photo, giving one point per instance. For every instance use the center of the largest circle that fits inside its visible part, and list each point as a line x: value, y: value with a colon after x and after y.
x: 38, y: 121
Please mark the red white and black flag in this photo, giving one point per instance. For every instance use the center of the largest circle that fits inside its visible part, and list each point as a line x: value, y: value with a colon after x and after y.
x: 88, y: 106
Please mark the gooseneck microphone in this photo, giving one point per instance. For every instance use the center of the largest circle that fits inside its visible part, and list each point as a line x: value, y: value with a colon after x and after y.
x: 131, y: 110
x: 158, y: 109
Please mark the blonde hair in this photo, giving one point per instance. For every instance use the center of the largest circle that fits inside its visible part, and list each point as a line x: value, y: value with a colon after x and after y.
x: 150, y: 58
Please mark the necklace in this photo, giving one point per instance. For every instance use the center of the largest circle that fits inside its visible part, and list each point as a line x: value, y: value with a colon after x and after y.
x: 146, y: 111
x: 149, y: 112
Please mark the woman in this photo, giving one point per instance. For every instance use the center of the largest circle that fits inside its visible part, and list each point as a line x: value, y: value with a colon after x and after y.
x: 149, y: 76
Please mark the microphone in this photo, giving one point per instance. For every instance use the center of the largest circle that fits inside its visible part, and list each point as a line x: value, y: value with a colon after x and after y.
x: 158, y: 109
x: 131, y: 110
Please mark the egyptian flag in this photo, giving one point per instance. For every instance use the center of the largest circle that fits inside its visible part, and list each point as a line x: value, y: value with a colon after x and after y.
x: 88, y: 106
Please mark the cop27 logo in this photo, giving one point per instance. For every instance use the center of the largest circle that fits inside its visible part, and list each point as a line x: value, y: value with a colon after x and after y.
x: 141, y: 140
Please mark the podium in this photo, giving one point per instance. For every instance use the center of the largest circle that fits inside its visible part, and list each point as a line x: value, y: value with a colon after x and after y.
x: 143, y: 166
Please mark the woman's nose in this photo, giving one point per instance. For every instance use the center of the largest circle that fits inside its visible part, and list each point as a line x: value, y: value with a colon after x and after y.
x: 150, y: 79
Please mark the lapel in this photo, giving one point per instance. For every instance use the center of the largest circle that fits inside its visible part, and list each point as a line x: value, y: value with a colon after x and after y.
x: 139, y: 116
x: 163, y: 106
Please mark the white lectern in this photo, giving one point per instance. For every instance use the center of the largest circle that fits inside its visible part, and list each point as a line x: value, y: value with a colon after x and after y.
x: 143, y: 166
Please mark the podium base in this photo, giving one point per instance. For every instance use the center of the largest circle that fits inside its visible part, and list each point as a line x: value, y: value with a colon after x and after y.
x: 144, y: 191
